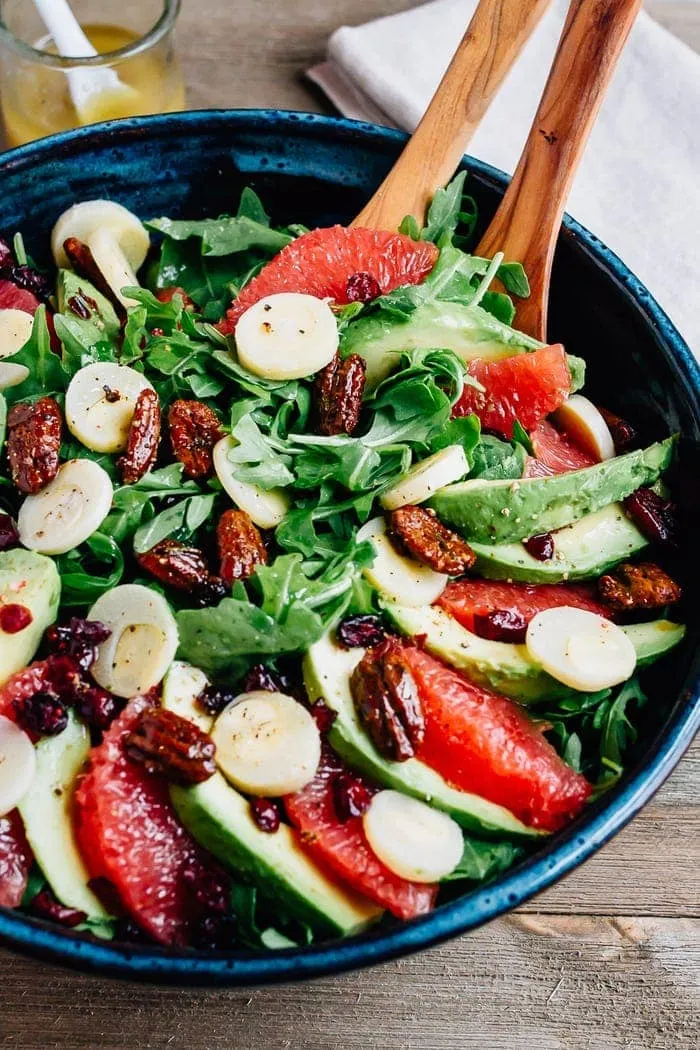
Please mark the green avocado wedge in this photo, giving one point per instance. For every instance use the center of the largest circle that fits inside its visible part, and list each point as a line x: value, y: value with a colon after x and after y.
x: 218, y: 817
x: 327, y: 670
x: 587, y: 548
x: 506, y: 668
x: 33, y: 580
x: 504, y: 511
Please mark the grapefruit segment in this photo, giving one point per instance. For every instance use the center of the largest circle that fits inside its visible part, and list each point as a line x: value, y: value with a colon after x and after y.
x: 15, y: 860
x: 465, y: 599
x: 128, y: 834
x: 555, y: 453
x: 483, y: 743
x: 14, y: 298
x: 321, y: 262
x: 343, y: 847
x: 526, y: 387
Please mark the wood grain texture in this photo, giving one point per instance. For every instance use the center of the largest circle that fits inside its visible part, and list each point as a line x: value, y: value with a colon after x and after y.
x: 625, y: 976
x: 491, y: 44
x: 526, y: 225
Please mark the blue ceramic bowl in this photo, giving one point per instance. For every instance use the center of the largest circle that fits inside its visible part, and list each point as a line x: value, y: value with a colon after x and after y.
x: 319, y: 170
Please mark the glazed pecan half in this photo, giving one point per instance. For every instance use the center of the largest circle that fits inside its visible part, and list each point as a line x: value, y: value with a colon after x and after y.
x: 83, y: 262
x: 387, y: 702
x: 184, y: 568
x: 643, y: 586
x: 33, y: 443
x: 144, y: 435
x: 171, y: 746
x: 241, y: 547
x: 194, y: 430
x: 338, y: 391
x: 420, y: 532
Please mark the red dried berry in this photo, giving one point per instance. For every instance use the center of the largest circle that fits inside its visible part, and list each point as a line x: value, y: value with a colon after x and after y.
x: 46, y: 905
x: 261, y: 677
x: 7, y: 257
x: 209, y: 891
x: 652, y: 514
x: 351, y: 796
x: 214, y: 933
x: 78, y: 639
x: 365, y: 630
x: 362, y: 288
x: 265, y: 814
x: 501, y: 625
x: 42, y: 714
x: 623, y: 433
x: 97, y: 707
x: 9, y: 537
x: 323, y: 716
x: 214, y: 699
x: 540, y: 546
x: 14, y: 618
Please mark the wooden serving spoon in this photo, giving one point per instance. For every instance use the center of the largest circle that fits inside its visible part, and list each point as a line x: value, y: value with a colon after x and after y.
x: 495, y: 37
x: 526, y: 225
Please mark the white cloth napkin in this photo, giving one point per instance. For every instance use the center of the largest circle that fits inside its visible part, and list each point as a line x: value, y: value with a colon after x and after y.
x: 638, y: 185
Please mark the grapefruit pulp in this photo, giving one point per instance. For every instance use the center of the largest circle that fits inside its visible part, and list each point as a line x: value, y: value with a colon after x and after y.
x: 555, y: 453
x: 465, y: 599
x: 320, y: 262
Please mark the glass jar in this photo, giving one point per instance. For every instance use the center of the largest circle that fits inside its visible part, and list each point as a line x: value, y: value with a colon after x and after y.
x: 132, y: 37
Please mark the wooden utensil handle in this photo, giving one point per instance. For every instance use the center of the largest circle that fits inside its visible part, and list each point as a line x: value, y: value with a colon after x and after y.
x: 526, y: 225
x: 490, y: 46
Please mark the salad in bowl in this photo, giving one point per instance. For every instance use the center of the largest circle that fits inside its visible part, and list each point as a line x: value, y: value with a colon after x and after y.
x: 324, y: 591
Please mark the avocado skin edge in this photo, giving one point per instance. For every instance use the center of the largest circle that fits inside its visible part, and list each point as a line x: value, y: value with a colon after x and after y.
x: 495, y: 512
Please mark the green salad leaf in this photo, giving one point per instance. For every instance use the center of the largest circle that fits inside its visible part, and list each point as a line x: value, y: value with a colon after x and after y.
x: 482, y: 860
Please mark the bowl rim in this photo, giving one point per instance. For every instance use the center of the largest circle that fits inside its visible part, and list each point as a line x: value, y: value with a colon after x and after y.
x: 566, y: 851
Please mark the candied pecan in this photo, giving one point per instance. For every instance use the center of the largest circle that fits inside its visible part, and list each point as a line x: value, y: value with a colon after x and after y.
x: 194, y: 430
x: 643, y: 586
x: 423, y: 535
x: 623, y: 433
x: 83, y: 262
x: 183, y: 568
x: 338, y: 391
x: 387, y: 702
x: 144, y: 435
x: 172, y: 746
x: 653, y: 515
x: 33, y: 443
x: 241, y: 547
x: 166, y: 295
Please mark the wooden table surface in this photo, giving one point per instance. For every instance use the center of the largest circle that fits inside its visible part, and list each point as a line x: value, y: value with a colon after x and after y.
x: 607, y: 959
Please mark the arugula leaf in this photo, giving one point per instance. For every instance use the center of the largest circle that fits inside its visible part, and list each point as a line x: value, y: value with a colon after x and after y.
x: 83, y: 343
x: 483, y: 860
x: 179, y: 521
x: 464, y: 431
x: 521, y: 437
x: 47, y: 374
x: 444, y: 212
x: 617, y: 732
x: 36, y: 882
x: 255, y: 457
x: 90, y: 570
x: 223, y: 236
x: 497, y: 460
x: 514, y: 279
x: 133, y: 504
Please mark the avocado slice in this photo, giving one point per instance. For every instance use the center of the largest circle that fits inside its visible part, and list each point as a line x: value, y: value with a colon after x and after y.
x: 47, y: 812
x: 101, y: 312
x: 218, y: 817
x: 468, y: 330
x: 503, y: 511
x: 506, y: 668
x: 327, y: 670
x: 587, y: 548
x: 31, y: 580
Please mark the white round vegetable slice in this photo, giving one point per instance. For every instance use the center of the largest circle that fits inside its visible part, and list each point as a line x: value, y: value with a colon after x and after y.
x: 15, y: 330
x: 399, y: 578
x: 425, y: 478
x: 581, y: 420
x: 68, y: 510
x: 143, y: 641
x: 415, y: 841
x: 17, y: 765
x: 287, y: 336
x: 112, y: 264
x: 12, y: 374
x: 581, y: 649
x: 100, y: 403
x: 267, y: 744
x: 265, y: 507
x: 83, y: 220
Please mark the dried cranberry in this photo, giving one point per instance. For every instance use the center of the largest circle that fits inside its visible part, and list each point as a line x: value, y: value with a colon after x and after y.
x: 46, y: 905
x: 261, y: 677
x: 351, y: 796
x: 323, y: 716
x: 9, y: 537
x: 14, y: 618
x: 210, y: 591
x: 215, y: 698
x: 36, y: 283
x: 7, y: 256
x: 652, y: 514
x: 79, y: 640
x: 362, y: 288
x: 78, y: 306
x: 156, y: 332
x: 623, y: 433
x: 214, y: 932
x: 265, y: 814
x: 209, y: 890
x: 365, y: 631
x: 501, y: 625
x: 540, y: 546
x: 42, y: 713
x: 97, y: 707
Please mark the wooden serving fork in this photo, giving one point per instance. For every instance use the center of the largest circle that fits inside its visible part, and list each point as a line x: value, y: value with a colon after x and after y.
x: 495, y: 37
